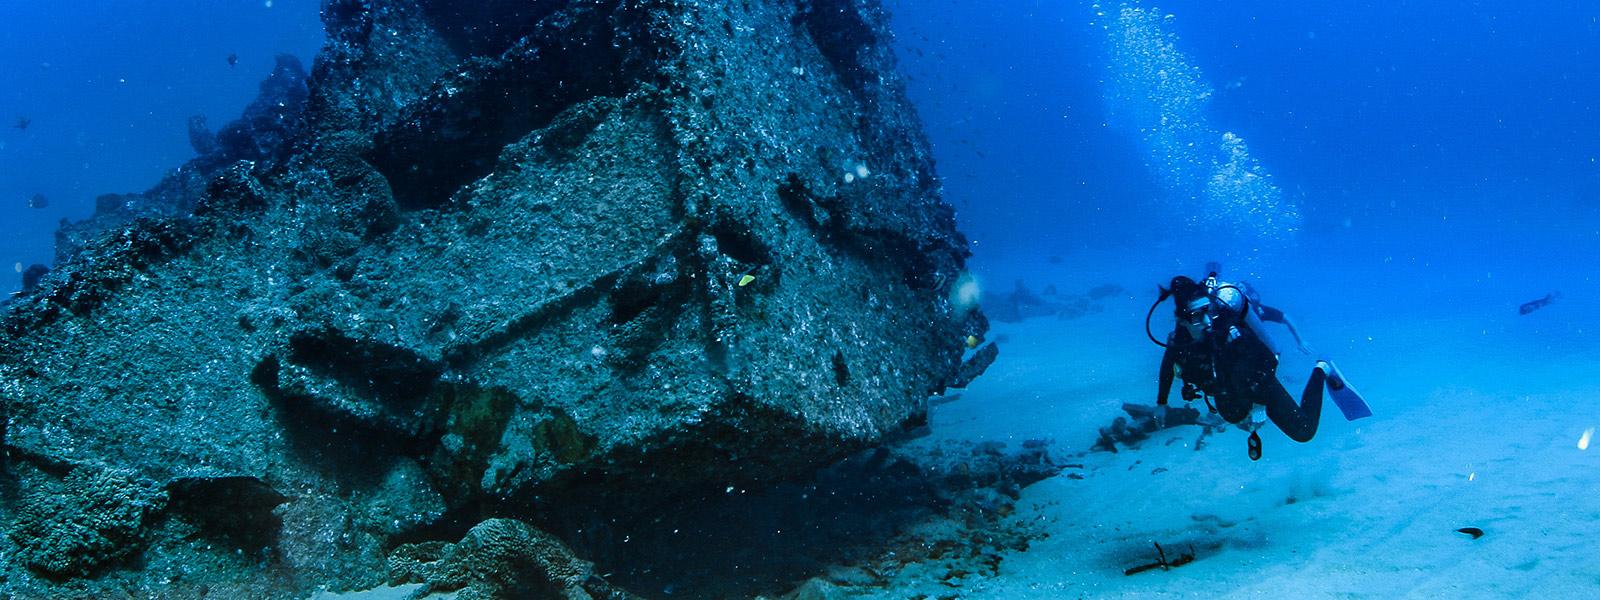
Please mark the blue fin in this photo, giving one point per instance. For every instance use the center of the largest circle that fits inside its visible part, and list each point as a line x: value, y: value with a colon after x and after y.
x: 1349, y: 401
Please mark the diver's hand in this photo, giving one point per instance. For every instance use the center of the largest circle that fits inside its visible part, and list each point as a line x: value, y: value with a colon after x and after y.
x: 1160, y: 416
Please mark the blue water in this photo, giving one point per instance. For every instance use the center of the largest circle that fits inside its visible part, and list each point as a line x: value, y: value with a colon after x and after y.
x: 109, y: 88
x: 1396, y: 127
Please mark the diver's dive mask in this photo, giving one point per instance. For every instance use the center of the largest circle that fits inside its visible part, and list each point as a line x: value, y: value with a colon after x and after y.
x: 1197, y: 317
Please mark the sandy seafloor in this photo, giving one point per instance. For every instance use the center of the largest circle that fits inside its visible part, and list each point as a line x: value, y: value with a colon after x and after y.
x: 1478, y: 415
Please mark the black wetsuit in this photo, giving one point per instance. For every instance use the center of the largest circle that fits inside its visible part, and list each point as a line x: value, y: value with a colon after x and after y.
x: 1238, y: 374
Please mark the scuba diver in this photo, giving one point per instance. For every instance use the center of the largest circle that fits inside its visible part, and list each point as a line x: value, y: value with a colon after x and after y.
x: 1222, y: 352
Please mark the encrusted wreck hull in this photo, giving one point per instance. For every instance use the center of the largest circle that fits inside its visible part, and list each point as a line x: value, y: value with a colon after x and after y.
x: 556, y: 268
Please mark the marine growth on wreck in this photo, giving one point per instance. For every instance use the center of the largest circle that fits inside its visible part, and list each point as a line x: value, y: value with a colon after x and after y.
x: 487, y: 289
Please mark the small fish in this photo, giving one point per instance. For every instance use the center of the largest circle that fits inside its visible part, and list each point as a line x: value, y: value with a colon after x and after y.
x: 233, y: 59
x: 1472, y: 531
x: 23, y: 123
x: 1529, y: 307
x: 38, y: 201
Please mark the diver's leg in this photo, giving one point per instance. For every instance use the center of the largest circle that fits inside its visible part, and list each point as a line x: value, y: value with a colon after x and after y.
x: 1233, y: 406
x: 1297, y: 422
x: 1237, y: 410
x: 1313, y: 391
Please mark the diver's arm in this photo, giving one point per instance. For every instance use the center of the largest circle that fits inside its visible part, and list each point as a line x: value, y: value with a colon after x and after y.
x: 1288, y: 322
x: 1169, y: 359
x: 1268, y: 313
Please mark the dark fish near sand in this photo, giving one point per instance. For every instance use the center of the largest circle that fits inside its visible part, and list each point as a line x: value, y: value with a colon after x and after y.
x: 1538, y: 304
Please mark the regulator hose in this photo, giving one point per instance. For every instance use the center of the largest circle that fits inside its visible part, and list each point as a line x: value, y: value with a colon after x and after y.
x: 1162, y: 297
